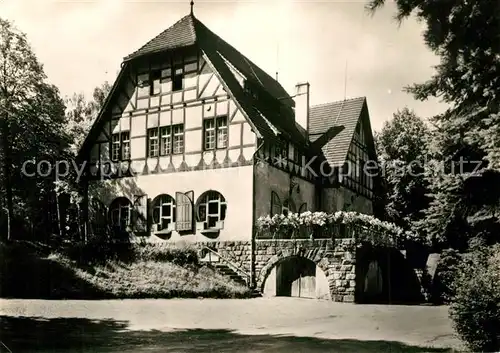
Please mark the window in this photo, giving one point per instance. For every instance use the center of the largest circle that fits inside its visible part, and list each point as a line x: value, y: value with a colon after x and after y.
x: 115, y: 147
x: 120, y: 146
x: 163, y: 211
x: 154, y: 84
x: 178, y: 131
x: 120, y: 212
x: 125, y: 137
x: 143, y: 85
x: 166, y: 140
x: 177, y: 79
x: 221, y: 132
x: 211, y: 208
x: 280, y: 150
x: 153, y: 142
x: 275, y: 204
x: 357, y: 157
x: 215, y: 133
x: 209, y: 134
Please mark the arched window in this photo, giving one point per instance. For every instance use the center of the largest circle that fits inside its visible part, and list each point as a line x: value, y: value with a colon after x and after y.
x: 120, y: 212
x: 211, y: 208
x: 275, y: 204
x: 288, y: 206
x: 163, y: 211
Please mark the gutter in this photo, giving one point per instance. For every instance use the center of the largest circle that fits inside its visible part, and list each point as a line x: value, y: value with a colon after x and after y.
x: 252, y: 242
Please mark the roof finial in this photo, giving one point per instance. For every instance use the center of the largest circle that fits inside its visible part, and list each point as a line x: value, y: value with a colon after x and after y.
x: 192, y: 4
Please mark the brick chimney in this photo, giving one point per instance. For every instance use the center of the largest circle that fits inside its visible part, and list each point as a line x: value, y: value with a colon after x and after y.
x: 302, y: 105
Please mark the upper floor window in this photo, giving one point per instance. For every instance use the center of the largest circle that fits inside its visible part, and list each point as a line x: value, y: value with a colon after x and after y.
x: 120, y: 213
x: 178, y: 141
x: 120, y: 146
x: 177, y: 79
x: 280, y: 149
x: 215, y: 133
x: 166, y: 140
x: 153, y: 142
x: 155, y: 83
x: 163, y: 211
x: 211, y: 209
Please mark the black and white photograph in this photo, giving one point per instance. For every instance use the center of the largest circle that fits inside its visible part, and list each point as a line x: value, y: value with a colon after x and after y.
x: 249, y: 176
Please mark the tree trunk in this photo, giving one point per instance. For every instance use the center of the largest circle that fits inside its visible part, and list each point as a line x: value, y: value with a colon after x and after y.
x: 7, y: 163
x: 59, y: 218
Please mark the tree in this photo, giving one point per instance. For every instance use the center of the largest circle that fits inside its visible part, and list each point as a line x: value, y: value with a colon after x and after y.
x: 402, y: 149
x: 465, y: 36
x: 32, y: 128
x: 81, y: 113
x: 20, y: 75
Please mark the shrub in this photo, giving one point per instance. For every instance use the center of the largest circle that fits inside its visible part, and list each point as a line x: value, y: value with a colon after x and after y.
x: 99, y: 250
x: 442, y: 290
x: 179, y: 255
x: 475, y: 309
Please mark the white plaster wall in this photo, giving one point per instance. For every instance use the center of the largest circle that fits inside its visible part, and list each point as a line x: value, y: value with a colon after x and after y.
x: 235, y: 184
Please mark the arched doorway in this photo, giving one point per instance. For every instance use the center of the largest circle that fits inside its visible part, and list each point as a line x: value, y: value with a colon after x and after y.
x: 373, y: 283
x: 296, y: 276
x: 383, y: 275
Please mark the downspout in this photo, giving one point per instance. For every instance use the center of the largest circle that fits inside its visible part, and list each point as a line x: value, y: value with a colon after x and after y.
x: 254, y: 228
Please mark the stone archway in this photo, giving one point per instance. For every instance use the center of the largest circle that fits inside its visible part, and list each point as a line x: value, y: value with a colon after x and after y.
x: 295, y: 276
x: 385, y: 276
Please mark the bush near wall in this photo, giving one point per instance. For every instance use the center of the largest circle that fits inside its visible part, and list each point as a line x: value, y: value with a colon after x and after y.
x: 442, y: 287
x: 475, y: 308
x: 98, y: 251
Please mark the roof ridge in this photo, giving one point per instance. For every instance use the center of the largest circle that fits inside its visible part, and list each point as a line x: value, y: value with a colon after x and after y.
x: 190, y: 15
x: 339, y: 101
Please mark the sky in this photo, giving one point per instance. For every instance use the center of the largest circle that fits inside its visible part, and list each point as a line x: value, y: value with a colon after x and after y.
x: 336, y: 46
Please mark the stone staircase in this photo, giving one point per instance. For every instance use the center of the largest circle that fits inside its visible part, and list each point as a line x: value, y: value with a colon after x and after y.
x: 225, y: 268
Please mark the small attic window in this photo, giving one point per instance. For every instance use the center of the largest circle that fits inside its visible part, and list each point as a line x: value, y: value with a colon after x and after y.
x: 177, y: 79
x: 154, y: 83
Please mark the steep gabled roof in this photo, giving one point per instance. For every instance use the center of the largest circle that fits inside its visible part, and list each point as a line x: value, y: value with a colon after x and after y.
x: 180, y: 34
x: 346, y: 113
x: 189, y: 31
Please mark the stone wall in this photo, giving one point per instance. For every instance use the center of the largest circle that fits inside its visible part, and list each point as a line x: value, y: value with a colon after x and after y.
x: 333, y: 257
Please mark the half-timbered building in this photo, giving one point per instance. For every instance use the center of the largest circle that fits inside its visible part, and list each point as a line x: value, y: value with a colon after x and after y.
x: 195, y: 142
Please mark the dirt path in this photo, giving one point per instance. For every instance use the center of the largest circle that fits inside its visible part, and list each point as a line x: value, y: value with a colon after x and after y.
x: 254, y: 325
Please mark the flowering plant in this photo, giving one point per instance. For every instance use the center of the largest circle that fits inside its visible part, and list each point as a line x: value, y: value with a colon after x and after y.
x: 361, y: 227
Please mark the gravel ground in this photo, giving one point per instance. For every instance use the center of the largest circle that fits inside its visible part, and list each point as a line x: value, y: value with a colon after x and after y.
x: 211, y: 325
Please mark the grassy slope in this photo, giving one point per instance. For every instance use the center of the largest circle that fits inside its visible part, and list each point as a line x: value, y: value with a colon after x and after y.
x: 27, y: 271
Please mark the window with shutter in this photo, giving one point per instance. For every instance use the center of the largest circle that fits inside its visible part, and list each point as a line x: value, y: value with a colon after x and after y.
x: 163, y: 211
x: 211, y: 209
x: 275, y: 204
x: 184, y: 212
